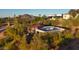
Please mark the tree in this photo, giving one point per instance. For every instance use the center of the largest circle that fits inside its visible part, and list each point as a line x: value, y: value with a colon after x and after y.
x: 0, y: 21
x: 17, y: 35
x: 38, y: 43
x: 73, y: 12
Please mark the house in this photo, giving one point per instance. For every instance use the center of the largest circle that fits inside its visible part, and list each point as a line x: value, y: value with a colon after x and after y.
x: 59, y: 15
x: 51, y: 18
x: 66, y: 16
x: 54, y: 16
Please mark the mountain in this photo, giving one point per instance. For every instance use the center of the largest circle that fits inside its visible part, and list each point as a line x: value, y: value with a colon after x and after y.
x: 27, y: 16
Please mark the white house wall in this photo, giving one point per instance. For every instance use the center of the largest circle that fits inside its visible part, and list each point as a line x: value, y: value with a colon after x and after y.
x: 66, y: 16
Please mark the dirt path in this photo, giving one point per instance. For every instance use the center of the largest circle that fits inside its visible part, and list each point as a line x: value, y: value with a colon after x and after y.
x: 2, y: 35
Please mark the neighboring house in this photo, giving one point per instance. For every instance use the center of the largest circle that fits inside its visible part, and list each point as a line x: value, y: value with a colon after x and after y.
x: 59, y: 15
x: 51, y: 18
x: 66, y: 16
x: 54, y: 16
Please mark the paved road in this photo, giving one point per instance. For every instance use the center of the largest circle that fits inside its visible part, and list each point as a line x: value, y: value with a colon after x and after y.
x: 2, y: 31
x: 3, y: 28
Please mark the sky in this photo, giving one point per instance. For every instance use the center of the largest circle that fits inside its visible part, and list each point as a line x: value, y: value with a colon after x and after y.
x: 36, y: 12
